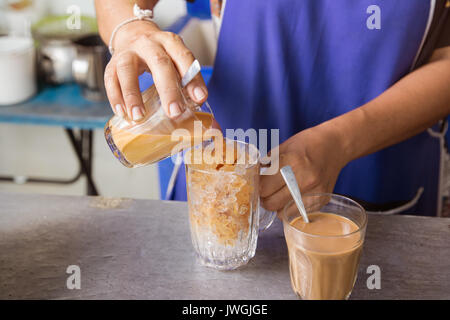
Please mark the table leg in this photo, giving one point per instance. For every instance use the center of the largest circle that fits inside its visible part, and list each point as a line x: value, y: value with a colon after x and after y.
x: 82, y: 147
x: 87, y: 136
x: 20, y: 179
x: 83, y: 151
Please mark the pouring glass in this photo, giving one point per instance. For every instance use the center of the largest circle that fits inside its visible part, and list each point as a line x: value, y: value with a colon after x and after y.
x: 149, y: 140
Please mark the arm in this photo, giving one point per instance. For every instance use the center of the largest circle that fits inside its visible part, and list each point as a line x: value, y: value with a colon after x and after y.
x: 317, y: 155
x: 410, y: 106
x: 141, y: 46
x: 111, y: 13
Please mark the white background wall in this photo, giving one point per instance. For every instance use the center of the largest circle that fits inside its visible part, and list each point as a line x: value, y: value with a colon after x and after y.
x: 45, y: 151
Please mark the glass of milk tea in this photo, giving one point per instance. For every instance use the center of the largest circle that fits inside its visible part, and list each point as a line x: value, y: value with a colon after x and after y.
x: 151, y: 139
x: 222, y: 178
x: 324, y: 254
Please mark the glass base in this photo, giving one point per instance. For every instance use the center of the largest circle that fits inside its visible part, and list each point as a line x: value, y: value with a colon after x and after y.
x: 230, y: 264
x: 300, y: 297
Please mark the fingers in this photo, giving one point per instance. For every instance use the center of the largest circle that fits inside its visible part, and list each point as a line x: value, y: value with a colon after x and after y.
x: 272, y: 183
x: 113, y: 90
x: 166, y: 57
x: 273, y: 190
x: 182, y: 57
x: 127, y: 73
x: 165, y: 76
x: 277, y: 201
x: 197, y: 89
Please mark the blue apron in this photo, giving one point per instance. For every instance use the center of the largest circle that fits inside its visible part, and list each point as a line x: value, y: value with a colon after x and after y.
x: 295, y: 64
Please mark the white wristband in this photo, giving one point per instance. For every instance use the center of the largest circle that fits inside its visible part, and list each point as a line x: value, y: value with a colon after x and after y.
x: 139, y: 15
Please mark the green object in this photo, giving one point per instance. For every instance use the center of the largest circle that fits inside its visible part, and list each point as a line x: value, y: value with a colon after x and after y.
x: 56, y: 27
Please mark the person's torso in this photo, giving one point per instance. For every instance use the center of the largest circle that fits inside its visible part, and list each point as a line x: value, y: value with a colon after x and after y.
x: 291, y: 65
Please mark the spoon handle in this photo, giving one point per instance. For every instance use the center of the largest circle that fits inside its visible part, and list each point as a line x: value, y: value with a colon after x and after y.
x: 291, y: 182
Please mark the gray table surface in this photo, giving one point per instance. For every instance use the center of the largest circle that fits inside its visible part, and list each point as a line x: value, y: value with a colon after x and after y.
x: 141, y: 249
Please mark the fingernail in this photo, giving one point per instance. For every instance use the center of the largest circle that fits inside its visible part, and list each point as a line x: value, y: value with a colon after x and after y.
x: 137, y: 113
x: 174, y: 109
x: 119, y: 110
x: 199, y: 93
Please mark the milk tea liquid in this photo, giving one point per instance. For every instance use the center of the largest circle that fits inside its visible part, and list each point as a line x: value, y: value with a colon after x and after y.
x: 322, y: 265
x: 149, y: 147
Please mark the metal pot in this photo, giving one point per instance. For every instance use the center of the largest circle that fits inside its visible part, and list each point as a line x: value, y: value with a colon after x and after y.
x: 55, y: 57
x: 55, y: 46
x: 89, y: 66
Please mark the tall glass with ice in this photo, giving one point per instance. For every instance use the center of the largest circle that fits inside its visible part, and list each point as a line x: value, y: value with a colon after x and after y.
x: 225, y: 216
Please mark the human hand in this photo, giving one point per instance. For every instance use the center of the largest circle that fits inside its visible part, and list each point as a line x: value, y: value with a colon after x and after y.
x: 316, y: 157
x: 141, y: 46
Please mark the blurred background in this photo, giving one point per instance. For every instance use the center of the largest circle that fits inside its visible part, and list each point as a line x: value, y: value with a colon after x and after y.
x: 35, y: 143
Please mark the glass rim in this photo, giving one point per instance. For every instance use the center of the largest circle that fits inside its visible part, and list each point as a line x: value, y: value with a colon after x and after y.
x: 332, y: 195
x: 258, y: 156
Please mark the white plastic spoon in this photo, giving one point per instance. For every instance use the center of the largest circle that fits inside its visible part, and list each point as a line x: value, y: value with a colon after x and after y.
x: 193, y: 70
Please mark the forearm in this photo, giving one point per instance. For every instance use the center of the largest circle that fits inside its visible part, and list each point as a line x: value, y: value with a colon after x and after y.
x: 410, y: 106
x: 112, y: 12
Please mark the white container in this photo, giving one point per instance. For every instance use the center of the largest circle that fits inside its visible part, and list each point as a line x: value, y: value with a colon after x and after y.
x: 17, y: 69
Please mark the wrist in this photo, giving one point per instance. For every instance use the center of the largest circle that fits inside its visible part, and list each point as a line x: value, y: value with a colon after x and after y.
x: 132, y: 31
x: 338, y: 135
